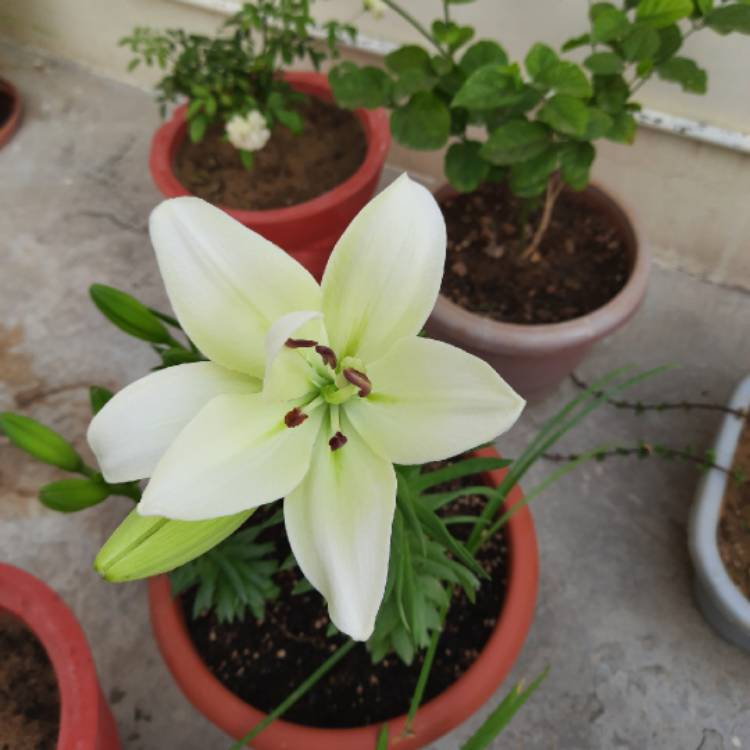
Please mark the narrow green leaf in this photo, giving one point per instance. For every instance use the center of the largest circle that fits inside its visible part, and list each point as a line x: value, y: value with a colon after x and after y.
x: 463, y: 468
x: 128, y: 314
x: 576, y: 42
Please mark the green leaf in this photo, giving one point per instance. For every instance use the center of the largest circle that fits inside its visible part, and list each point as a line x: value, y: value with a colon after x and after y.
x: 566, y: 78
x: 408, y: 57
x: 353, y: 87
x: 502, y: 715
x: 247, y: 159
x: 661, y: 13
x: 686, y: 72
x: 599, y: 124
x: 576, y: 42
x: 289, y: 118
x: 623, y: 128
x: 98, y: 397
x: 465, y: 169
x: 642, y: 43
x: 608, y: 23
x: 540, y: 57
x: 197, y: 128
x: 481, y: 53
x: 466, y: 467
x: 611, y: 93
x: 128, y: 314
x: 670, y: 41
x: 529, y: 179
x: 565, y: 114
x: 730, y: 18
x: 39, y: 441
x: 515, y: 141
x: 424, y: 123
x: 489, y: 87
x: 704, y: 6
x: 71, y: 495
x: 451, y: 34
x: 195, y: 106
x: 604, y: 63
x: 575, y: 164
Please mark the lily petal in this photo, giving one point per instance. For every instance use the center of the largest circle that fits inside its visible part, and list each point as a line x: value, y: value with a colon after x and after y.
x: 134, y: 429
x: 288, y: 373
x: 338, y: 522
x: 226, y: 283
x: 383, y: 277
x: 235, y: 455
x: 431, y: 401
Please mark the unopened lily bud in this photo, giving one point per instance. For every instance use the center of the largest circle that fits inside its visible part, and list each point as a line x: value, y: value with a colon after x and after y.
x: 39, y: 441
x: 128, y: 314
x: 375, y: 7
x: 71, y: 495
x: 144, y: 546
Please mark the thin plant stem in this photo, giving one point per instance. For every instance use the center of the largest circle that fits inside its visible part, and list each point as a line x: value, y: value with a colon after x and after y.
x: 409, y: 18
x: 554, y: 188
x: 296, y: 694
x: 446, y: 11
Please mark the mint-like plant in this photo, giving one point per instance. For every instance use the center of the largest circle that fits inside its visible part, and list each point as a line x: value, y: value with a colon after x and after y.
x: 233, y: 77
x: 532, y: 126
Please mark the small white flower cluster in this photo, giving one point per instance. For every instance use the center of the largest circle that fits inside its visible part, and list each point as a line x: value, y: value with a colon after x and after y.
x: 375, y: 7
x: 248, y: 132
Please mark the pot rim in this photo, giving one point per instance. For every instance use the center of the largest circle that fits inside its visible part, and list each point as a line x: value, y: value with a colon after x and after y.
x: 7, y: 130
x: 704, y: 517
x: 377, y: 132
x: 52, y: 622
x: 434, y: 718
x: 544, y: 338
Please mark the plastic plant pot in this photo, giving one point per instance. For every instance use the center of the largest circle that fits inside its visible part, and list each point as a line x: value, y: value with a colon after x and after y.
x: 86, y: 722
x: 309, y: 230
x: 13, y: 119
x: 434, y: 719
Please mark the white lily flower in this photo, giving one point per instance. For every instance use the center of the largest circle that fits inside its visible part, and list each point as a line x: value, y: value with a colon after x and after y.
x: 312, y: 393
x: 375, y: 7
x: 248, y: 132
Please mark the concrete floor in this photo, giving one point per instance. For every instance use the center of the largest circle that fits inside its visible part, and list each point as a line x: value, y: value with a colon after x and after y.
x: 633, y: 665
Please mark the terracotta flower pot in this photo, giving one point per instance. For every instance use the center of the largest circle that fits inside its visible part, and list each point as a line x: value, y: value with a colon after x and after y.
x: 8, y: 127
x: 85, y: 719
x: 309, y: 230
x: 434, y: 719
x: 534, y: 359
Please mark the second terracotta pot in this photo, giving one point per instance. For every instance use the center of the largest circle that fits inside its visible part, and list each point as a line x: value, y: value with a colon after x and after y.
x: 535, y: 359
x: 437, y: 717
x: 309, y: 230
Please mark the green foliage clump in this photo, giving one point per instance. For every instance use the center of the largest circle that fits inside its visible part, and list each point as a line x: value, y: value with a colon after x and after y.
x: 236, y: 71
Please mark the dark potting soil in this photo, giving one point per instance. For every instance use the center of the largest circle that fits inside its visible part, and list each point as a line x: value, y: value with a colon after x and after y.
x: 582, y: 262
x: 6, y: 107
x: 29, y: 698
x: 290, y: 168
x: 733, y: 533
x: 262, y: 662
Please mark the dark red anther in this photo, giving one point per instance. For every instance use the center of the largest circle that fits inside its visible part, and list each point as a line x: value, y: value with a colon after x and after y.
x: 339, y: 440
x: 328, y: 355
x: 295, y: 417
x: 300, y: 343
x: 355, y: 377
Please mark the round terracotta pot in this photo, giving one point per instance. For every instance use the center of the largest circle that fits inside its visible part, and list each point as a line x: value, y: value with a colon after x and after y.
x: 434, y: 719
x: 534, y: 359
x: 309, y: 230
x: 85, y: 719
x: 9, y: 126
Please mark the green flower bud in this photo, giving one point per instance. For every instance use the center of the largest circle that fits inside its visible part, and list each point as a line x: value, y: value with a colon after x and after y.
x: 128, y: 314
x: 144, y: 546
x: 39, y: 441
x: 98, y: 397
x: 70, y: 495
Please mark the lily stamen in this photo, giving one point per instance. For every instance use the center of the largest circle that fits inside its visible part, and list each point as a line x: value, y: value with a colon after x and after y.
x: 339, y: 440
x: 295, y: 417
x: 328, y: 355
x: 300, y: 343
x: 355, y: 377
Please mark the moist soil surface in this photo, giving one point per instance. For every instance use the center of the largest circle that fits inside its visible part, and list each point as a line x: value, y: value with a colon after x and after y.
x: 29, y: 699
x: 582, y: 262
x: 289, y: 169
x: 734, y: 523
x: 262, y: 662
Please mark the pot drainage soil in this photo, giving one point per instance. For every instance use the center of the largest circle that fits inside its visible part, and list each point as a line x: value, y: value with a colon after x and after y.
x: 262, y: 662
x: 582, y: 262
x: 290, y: 169
x: 29, y: 699
x: 733, y: 533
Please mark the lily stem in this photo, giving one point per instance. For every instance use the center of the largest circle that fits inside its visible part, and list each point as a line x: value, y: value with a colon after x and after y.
x: 295, y: 695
